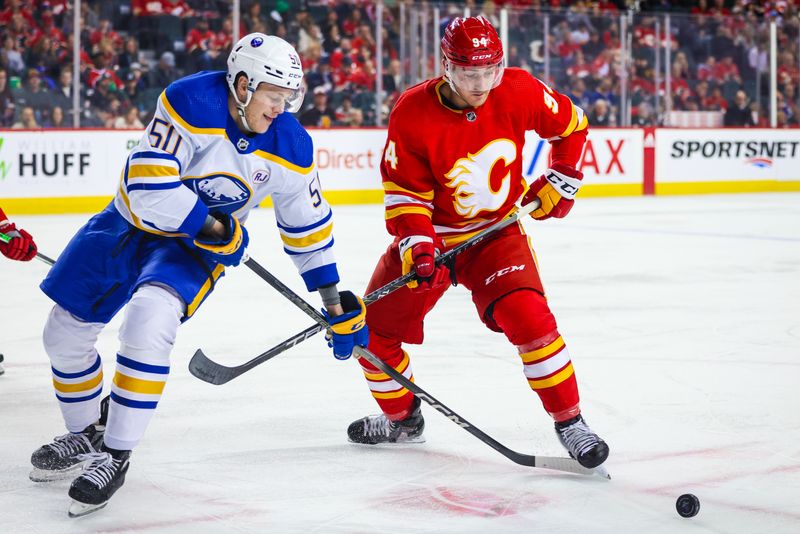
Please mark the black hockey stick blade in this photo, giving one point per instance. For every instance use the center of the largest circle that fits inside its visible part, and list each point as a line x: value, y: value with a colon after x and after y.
x: 215, y: 373
x: 209, y: 371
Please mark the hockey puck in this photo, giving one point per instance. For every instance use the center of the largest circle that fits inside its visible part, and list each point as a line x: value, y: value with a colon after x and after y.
x: 687, y: 505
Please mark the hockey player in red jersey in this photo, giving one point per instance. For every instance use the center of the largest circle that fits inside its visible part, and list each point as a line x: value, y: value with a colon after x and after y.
x: 452, y: 165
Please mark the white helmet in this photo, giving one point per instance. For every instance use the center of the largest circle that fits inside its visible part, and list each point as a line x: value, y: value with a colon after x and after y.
x: 266, y: 59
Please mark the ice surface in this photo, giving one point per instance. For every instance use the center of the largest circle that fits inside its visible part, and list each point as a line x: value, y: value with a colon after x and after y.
x: 682, y: 315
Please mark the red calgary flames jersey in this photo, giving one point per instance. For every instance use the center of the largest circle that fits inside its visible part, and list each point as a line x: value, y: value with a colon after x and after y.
x: 453, y: 172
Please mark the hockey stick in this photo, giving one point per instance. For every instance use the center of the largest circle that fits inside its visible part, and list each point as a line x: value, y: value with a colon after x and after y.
x: 548, y: 462
x: 214, y: 373
x: 5, y: 239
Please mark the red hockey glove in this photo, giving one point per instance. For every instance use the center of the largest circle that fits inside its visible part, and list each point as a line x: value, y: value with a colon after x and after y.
x: 419, y: 252
x: 21, y: 247
x: 556, y: 190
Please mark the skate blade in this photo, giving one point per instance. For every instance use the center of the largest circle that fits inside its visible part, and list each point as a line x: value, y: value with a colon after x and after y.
x: 603, y: 472
x: 44, y: 475
x: 404, y: 441
x: 80, y: 509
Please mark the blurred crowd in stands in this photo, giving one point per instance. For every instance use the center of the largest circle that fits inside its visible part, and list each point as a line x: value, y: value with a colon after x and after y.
x: 130, y: 50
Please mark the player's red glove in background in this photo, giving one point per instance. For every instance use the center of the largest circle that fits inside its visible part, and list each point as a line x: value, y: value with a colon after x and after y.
x: 419, y: 252
x: 21, y: 247
x: 556, y: 190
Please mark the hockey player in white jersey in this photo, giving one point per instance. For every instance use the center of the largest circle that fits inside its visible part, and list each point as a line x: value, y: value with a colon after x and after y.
x: 218, y: 145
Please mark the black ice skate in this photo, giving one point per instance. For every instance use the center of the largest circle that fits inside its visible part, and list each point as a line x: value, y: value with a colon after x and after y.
x: 61, y: 458
x: 374, y: 429
x: 582, y: 444
x: 1, y: 365
x: 102, y: 476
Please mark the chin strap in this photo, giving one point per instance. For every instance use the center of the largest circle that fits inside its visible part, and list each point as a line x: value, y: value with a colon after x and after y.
x: 241, y: 106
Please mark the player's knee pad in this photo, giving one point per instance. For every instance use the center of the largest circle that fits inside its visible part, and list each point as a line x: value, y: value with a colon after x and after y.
x: 69, y: 341
x: 151, y: 323
x: 524, y: 316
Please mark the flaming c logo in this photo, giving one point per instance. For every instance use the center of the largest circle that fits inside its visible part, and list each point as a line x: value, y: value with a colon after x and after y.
x: 470, y: 179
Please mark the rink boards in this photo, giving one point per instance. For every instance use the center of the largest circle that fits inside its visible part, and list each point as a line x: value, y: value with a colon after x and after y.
x: 65, y: 171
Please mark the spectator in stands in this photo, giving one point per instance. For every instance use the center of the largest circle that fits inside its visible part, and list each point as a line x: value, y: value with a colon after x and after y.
x: 62, y: 94
x: 393, y: 77
x: 27, y: 120
x: 738, y: 112
x: 102, y: 68
x: 34, y: 94
x: 7, y: 105
x: 254, y: 20
x: 644, y: 115
x: 165, y: 72
x: 129, y: 56
x: 201, y: 45
x: 10, y: 57
x: 319, y: 113
x: 56, y: 119
x: 130, y: 120
x: 600, y: 115
x: 43, y: 56
x: 150, y: 8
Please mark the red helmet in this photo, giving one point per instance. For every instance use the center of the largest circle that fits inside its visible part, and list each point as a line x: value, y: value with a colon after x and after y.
x: 472, y: 42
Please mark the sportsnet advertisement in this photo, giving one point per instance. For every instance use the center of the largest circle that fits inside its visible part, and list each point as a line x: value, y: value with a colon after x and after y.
x: 745, y: 160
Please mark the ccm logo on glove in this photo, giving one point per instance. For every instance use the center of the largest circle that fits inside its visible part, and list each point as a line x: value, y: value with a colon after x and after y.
x: 556, y: 190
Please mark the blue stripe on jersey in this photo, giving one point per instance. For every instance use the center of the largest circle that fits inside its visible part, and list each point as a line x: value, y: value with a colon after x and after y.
x: 79, y: 399
x: 293, y: 253
x: 95, y: 366
x: 153, y: 187
x: 144, y: 367
x: 294, y: 230
x: 157, y: 155
x: 321, y: 276
x: 130, y: 403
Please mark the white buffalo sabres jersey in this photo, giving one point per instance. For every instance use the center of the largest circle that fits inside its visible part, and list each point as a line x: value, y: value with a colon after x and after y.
x: 193, y: 160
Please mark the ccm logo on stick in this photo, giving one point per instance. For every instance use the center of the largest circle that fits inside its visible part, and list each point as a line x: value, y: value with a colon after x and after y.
x: 504, y: 271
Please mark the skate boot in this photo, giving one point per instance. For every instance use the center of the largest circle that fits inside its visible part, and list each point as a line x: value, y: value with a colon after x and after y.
x: 582, y: 444
x: 61, y: 458
x: 102, y: 476
x: 1, y: 365
x: 374, y: 429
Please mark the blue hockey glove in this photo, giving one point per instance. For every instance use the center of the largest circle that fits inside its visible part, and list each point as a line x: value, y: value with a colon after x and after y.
x: 350, y: 328
x: 227, y: 251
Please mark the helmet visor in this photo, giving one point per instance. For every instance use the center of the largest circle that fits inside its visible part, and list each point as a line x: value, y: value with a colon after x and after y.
x: 475, y: 79
x: 291, y: 101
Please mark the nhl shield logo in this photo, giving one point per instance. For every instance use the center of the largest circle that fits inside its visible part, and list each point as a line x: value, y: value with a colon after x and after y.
x: 242, y: 144
x: 471, y: 116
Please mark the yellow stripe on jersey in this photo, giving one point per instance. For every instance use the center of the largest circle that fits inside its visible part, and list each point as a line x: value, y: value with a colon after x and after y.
x: 542, y: 353
x: 583, y: 124
x: 406, y: 210
x: 174, y: 115
x: 310, y: 239
x: 145, y: 171
x: 284, y: 163
x: 391, y: 186
x: 573, y: 121
x: 139, y: 385
x: 391, y: 394
x: 554, y: 380
x: 80, y: 386
x: 215, y: 274
x: 401, y: 368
